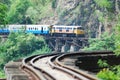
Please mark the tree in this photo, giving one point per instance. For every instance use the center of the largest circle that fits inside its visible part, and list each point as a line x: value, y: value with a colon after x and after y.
x: 112, y: 72
x: 103, y: 3
x: 3, y: 11
x: 5, y: 1
x: 54, y: 4
x: 105, y: 15
x: 19, y: 45
x: 17, y: 12
x: 117, y: 36
x: 104, y: 43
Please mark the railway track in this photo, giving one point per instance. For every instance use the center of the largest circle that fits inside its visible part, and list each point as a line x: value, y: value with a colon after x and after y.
x: 48, y: 66
x: 57, y: 66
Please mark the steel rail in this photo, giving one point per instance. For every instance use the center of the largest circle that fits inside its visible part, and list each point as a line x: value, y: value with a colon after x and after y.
x: 29, y: 68
x: 51, y: 77
x: 85, y: 54
x: 54, y: 65
x: 50, y: 61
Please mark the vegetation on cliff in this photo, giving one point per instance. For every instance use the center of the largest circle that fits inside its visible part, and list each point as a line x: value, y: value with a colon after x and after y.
x: 111, y: 19
x: 3, y: 13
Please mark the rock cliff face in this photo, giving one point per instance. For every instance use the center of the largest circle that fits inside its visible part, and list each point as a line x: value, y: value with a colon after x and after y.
x: 82, y: 12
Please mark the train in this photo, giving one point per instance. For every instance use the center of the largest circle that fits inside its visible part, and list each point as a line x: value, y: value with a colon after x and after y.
x: 51, y: 30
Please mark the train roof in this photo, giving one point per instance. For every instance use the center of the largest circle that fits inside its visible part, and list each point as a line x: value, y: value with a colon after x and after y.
x: 27, y: 25
x: 65, y: 26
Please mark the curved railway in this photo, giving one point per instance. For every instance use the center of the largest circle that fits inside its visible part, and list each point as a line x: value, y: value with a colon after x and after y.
x: 58, y: 66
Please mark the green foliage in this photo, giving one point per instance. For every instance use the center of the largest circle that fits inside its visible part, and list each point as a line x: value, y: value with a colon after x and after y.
x: 111, y: 73
x: 105, y: 43
x: 39, y: 2
x: 39, y: 9
x: 43, y: 2
x: 106, y: 5
x: 62, y: 13
x: 19, y: 45
x: 2, y: 75
x: 117, y: 39
x: 102, y: 63
x: 103, y: 3
x: 0, y: 39
x: 100, y: 15
x: 44, y: 50
x: 33, y: 13
x: 3, y: 11
x: 116, y: 70
x: 54, y: 5
x: 28, y: 11
x: 5, y: 1
x: 107, y: 74
x: 17, y: 12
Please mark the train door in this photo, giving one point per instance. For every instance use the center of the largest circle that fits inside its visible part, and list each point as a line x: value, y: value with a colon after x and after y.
x: 42, y: 30
x: 50, y: 28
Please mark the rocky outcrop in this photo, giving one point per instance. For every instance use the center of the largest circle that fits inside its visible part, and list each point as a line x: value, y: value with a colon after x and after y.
x: 82, y: 12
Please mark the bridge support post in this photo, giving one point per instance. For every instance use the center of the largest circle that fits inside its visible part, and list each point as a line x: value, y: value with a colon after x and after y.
x: 58, y: 45
x: 65, y: 47
x: 74, y: 46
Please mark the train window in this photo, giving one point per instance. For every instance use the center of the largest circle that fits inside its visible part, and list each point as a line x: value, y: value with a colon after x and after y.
x: 67, y: 30
x: 60, y: 30
x: 74, y: 28
x: 80, y: 28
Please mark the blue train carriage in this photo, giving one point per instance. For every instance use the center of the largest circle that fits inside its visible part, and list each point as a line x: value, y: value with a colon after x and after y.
x: 67, y: 31
x: 37, y: 29
x: 4, y: 29
x: 16, y: 28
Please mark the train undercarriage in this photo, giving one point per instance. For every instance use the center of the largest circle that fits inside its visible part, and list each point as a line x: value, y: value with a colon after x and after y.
x: 66, y: 35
